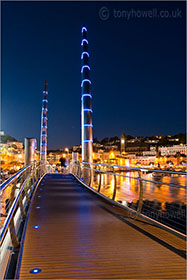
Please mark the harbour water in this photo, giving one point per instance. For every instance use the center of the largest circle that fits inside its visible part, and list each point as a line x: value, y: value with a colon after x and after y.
x: 128, y: 188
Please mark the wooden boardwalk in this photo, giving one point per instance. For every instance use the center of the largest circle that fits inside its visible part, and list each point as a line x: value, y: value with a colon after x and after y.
x: 82, y: 236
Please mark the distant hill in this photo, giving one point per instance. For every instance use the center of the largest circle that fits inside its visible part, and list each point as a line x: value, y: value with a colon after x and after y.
x: 7, y: 138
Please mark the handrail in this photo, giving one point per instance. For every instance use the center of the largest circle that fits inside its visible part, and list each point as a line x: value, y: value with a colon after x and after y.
x: 136, y: 168
x: 11, y: 212
x: 14, y: 205
x: 78, y: 169
x: 136, y: 178
x: 18, y: 205
x: 15, y: 176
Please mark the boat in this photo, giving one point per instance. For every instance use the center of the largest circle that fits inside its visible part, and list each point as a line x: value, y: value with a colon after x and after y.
x: 157, y: 175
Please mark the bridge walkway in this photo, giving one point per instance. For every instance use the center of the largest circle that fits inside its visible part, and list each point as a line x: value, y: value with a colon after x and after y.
x: 82, y: 236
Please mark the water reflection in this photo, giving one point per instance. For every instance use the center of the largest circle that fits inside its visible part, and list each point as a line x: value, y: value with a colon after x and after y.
x: 128, y: 188
x: 166, y: 204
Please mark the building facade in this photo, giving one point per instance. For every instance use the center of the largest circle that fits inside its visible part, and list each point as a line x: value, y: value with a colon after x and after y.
x: 172, y: 150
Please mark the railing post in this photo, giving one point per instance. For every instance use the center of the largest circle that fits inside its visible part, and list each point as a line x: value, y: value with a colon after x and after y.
x: 39, y: 171
x: 26, y: 194
x: 74, y: 171
x: 140, y: 204
x: 78, y: 167
x: 12, y: 194
x: 100, y: 177
x: 80, y: 172
x: 35, y: 175
x: 23, y: 214
x: 91, y: 171
x: 72, y: 167
x: 33, y: 178
x: 83, y: 172
x: 30, y: 185
x: 22, y: 179
x: 13, y: 235
x: 115, y: 187
x: 45, y: 169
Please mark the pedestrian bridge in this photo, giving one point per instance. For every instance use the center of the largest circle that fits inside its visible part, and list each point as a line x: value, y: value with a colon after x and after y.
x: 63, y: 226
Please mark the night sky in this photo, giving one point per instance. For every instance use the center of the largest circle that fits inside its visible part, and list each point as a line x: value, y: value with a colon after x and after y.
x: 137, y: 70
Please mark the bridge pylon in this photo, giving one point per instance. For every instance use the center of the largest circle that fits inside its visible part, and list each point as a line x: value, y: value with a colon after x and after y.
x: 86, y: 101
x: 43, y: 136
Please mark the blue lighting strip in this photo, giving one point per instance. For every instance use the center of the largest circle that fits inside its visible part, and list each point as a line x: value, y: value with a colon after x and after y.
x: 90, y: 125
x: 45, y: 118
x: 84, y: 40
x: 88, y: 110
x: 45, y: 91
x: 84, y: 81
x: 43, y: 153
x: 45, y: 109
x: 44, y: 126
x: 86, y: 95
x: 84, y: 66
x: 83, y: 53
x: 86, y: 141
x: 45, y: 100
x: 44, y: 135
x: 44, y: 144
x: 84, y: 28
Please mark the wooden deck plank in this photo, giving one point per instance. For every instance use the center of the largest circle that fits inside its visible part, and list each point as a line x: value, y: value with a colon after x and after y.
x: 80, y: 238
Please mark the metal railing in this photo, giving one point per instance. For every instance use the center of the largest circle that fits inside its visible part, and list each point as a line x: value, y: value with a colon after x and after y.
x: 148, y: 202
x: 16, y: 195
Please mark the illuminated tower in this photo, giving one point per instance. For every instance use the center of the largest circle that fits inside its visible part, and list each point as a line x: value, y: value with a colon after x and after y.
x: 86, y: 102
x: 123, y: 143
x: 43, y: 138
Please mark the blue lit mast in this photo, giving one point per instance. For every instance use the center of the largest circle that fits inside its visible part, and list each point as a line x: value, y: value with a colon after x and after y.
x: 86, y: 102
x: 43, y: 138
